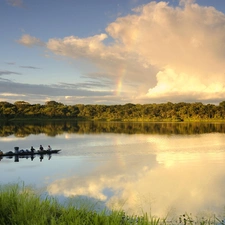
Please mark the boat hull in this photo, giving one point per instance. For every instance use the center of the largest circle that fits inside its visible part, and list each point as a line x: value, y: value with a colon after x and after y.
x: 44, y: 152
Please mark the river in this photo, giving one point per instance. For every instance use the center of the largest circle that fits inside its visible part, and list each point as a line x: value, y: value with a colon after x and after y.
x: 162, y: 169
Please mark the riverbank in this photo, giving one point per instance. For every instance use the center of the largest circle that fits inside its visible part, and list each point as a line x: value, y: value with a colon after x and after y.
x: 82, y: 119
x: 22, y: 205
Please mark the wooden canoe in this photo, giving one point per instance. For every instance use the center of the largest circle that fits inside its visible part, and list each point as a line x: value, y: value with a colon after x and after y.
x: 44, y: 152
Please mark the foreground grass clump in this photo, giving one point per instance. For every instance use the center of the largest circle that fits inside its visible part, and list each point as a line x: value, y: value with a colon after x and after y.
x: 21, y: 205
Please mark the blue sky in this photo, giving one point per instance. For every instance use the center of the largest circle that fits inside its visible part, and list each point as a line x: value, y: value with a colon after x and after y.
x: 112, y: 52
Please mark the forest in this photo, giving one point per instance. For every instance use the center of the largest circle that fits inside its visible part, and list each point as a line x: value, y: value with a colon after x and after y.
x: 175, y: 112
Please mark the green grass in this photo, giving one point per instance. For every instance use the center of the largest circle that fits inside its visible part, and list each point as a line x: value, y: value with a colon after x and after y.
x: 21, y: 205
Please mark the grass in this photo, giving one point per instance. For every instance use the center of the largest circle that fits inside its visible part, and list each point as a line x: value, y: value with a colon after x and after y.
x: 21, y: 205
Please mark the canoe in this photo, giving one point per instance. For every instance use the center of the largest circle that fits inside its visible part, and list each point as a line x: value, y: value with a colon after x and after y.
x: 44, y: 152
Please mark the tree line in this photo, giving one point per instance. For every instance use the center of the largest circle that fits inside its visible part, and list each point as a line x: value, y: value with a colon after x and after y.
x: 128, y: 112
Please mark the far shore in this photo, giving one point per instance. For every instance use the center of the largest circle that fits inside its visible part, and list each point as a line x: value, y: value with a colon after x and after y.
x: 49, y: 119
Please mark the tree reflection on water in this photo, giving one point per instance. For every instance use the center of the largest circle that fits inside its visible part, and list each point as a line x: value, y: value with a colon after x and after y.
x: 52, y: 129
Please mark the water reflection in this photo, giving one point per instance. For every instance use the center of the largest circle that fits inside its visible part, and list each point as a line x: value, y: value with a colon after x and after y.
x: 172, y: 172
x: 151, y: 187
x: 52, y: 129
x: 17, y: 158
x: 173, y: 175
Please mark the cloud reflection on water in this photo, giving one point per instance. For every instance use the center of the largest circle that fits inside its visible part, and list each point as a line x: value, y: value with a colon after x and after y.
x: 167, y: 178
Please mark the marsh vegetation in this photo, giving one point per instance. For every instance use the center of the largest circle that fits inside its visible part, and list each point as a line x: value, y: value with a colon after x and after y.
x: 22, y: 205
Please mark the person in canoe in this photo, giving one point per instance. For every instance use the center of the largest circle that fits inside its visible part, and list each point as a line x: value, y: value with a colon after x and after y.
x: 32, y: 149
x: 41, y: 148
x: 49, y: 148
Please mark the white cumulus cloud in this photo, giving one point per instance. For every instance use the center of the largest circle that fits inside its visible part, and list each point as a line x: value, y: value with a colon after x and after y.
x: 158, y: 50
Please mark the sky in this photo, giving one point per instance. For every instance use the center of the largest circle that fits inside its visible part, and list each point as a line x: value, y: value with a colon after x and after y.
x: 112, y: 51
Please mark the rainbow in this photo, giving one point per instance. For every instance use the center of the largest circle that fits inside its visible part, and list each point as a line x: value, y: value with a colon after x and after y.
x: 122, y: 72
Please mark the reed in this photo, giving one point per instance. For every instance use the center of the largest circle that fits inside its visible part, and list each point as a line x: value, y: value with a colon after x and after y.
x: 22, y: 205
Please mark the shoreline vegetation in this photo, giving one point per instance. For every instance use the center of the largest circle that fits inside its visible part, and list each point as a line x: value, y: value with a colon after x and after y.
x: 22, y: 205
x: 164, y: 112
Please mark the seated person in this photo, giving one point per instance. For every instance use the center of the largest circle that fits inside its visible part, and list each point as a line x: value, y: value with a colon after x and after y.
x: 41, y: 148
x: 32, y: 149
x: 49, y: 148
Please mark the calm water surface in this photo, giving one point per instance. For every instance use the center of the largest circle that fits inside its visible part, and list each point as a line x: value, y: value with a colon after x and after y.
x: 157, y: 173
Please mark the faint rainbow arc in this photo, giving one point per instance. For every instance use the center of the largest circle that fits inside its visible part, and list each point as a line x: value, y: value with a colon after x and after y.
x: 121, y: 74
